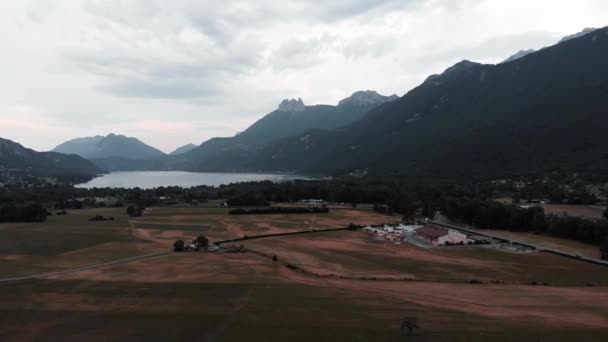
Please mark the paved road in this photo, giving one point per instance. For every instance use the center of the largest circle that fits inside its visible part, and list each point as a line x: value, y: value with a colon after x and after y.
x: 527, y: 244
x: 82, y: 268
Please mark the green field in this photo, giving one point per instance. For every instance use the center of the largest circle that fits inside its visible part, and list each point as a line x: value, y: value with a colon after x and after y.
x: 65, y: 241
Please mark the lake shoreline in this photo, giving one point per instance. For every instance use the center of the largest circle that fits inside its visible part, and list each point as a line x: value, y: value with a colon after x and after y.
x: 184, y: 179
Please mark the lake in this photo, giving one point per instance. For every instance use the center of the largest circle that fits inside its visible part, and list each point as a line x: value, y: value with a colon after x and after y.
x: 155, y: 179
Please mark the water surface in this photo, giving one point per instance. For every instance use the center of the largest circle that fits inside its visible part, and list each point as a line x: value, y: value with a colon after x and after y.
x: 155, y: 179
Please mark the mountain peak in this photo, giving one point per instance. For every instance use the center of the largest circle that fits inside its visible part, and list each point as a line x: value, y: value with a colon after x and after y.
x: 366, y: 98
x: 112, y: 145
x: 454, y: 71
x: 292, y: 105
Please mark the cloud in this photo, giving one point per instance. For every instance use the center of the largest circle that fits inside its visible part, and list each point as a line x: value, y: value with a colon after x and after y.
x: 205, y: 68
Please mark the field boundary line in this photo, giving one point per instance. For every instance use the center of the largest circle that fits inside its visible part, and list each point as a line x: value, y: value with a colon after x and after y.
x: 82, y: 268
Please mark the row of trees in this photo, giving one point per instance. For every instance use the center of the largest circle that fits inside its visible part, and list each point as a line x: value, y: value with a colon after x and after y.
x: 28, y: 213
x: 494, y: 215
x: 280, y: 210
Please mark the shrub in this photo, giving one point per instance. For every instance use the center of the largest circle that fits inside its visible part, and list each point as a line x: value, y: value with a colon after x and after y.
x: 178, y: 246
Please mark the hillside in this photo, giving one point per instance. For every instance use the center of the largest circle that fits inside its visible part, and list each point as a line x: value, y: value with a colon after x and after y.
x: 545, y: 111
x: 291, y: 118
x: 50, y: 164
x: 183, y: 149
x: 114, y: 152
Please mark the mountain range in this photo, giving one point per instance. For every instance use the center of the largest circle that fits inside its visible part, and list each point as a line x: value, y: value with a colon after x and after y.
x: 543, y: 112
x: 291, y: 118
x: 538, y: 112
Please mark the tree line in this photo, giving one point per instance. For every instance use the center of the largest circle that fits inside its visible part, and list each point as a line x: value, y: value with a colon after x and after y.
x: 29, y: 213
x: 279, y: 210
x: 494, y: 215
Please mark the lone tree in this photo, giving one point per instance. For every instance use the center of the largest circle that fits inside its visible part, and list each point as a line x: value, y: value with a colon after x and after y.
x: 274, y: 258
x: 604, y: 249
x: 178, y: 246
x: 606, y: 213
x: 409, y: 324
x: 134, y: 210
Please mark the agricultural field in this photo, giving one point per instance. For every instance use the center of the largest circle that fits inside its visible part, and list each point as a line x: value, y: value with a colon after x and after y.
x: 590, y: 211
x: 547, y: 241
x: 215, y: 223
x: 248, y: 297
x: 361, y: 255
x: 66, y: 241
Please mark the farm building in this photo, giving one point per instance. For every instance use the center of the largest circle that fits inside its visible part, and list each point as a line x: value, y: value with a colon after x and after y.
x: 432, y: 235
x: 439, y: 237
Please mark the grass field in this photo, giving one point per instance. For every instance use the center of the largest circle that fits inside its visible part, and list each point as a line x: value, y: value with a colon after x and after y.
x: 591, y: 211
x: 358, y: 254
x: 65, y: 241
x: 247, y: 297
x: 571, y: 246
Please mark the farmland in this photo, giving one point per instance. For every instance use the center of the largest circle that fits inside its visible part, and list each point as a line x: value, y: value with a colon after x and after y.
x: 246, y: 296
x: 589, y: 211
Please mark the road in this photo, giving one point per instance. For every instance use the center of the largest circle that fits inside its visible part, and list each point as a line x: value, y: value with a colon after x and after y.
x: 82, y: 268
x: 526, y: 244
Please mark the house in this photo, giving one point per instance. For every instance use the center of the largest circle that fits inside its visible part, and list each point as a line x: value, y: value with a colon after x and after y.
x: 432, y: 235
x: 441, y: 237
x: 457, y: 238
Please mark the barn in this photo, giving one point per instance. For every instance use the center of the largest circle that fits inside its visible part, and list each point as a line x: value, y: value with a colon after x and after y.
x: 431, y: 235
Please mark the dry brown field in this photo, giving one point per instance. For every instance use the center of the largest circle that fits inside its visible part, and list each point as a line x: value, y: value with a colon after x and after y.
x: 248, y: 297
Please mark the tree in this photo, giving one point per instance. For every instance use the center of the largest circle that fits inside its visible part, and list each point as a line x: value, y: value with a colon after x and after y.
x: 202, y: 241
x: 178, y: 246
x: 409, y: 323
x: 275, y: 258
x: 604, y: 249
x: 606, y: 213
x: 134, y: 210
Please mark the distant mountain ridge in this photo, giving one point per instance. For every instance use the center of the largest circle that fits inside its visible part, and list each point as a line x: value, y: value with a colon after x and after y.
x: 545, y: 111
x: 183, y: 149
x: 291, y: 118
x: 114, y: 152
x: 51, y: 164
x: 522, y: 53
x: 112, y: 145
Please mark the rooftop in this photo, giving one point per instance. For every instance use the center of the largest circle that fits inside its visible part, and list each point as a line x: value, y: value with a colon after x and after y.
x: 432, y: 232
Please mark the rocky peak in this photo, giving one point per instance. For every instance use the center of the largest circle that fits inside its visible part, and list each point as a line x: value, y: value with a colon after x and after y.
x: 366, y: 98
x: 292, y: 105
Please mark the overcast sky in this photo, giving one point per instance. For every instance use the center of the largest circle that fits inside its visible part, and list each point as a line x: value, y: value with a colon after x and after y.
x: 175, y: 72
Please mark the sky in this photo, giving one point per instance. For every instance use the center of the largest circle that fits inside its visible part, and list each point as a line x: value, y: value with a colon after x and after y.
x: 183, y: 71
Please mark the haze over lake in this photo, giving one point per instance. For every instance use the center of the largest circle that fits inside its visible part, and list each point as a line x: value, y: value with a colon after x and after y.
x: 154, y: 179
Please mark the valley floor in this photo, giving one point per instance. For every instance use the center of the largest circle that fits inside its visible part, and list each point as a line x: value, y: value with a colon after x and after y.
x: 327, y: 286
